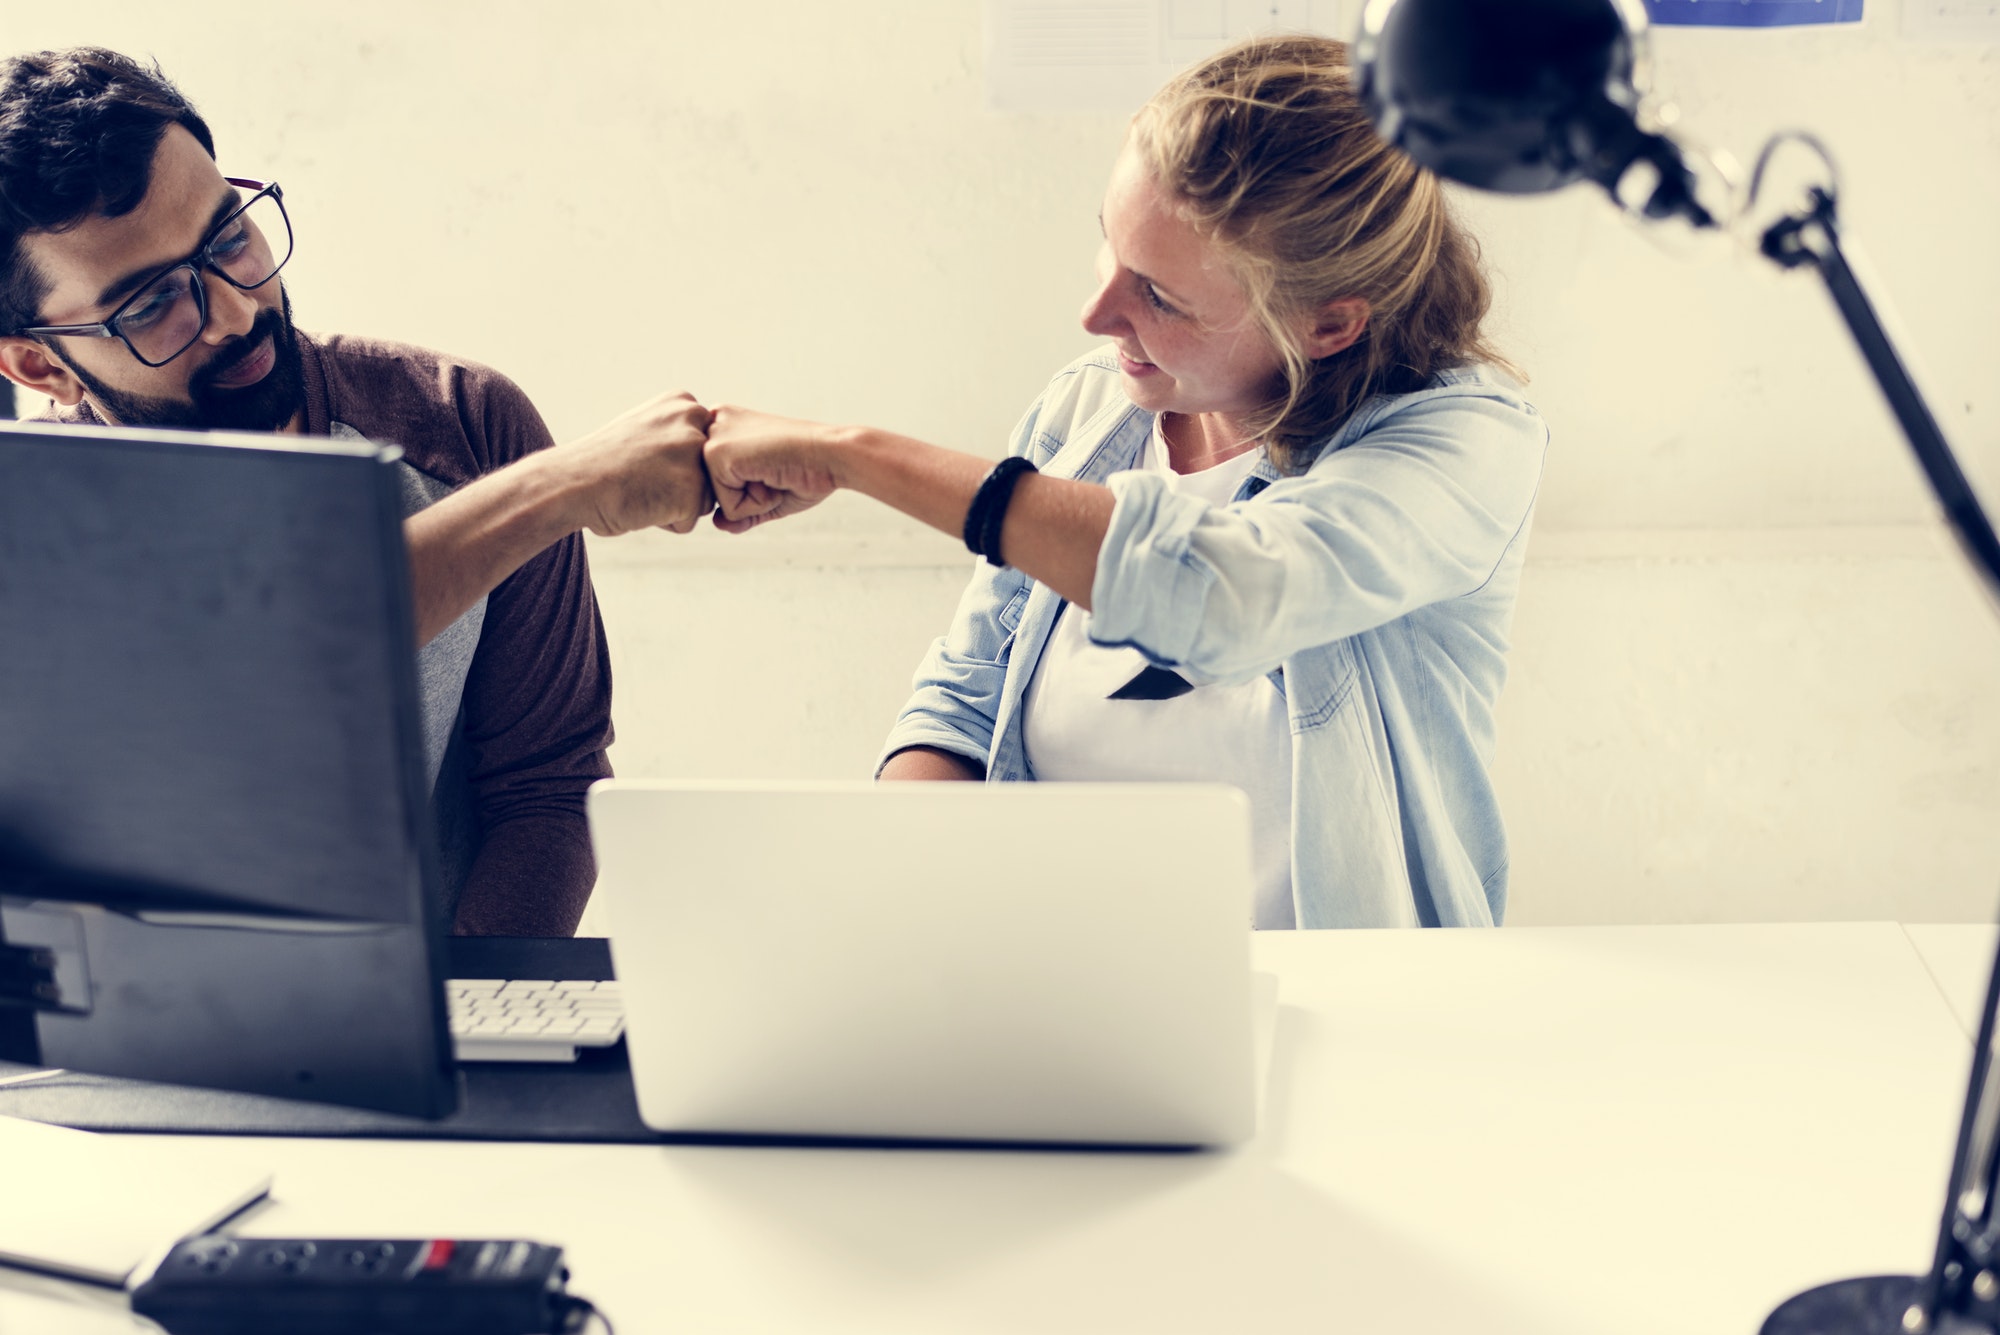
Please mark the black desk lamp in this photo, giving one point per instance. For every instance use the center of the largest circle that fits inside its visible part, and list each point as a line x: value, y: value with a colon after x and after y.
x: 1522, y: 96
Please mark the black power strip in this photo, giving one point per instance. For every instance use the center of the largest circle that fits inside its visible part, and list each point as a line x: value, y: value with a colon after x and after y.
x: 353, y: 1286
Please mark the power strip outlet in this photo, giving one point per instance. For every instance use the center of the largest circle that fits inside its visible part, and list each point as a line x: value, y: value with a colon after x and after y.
x: 339, y: 1286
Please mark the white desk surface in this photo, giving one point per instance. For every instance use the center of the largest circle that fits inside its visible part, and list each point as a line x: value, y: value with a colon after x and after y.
x: 1543, y: 1130
x: 1960, y: 959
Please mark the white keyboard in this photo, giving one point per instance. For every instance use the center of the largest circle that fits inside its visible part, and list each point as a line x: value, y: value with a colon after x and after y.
x: 530, y: 1020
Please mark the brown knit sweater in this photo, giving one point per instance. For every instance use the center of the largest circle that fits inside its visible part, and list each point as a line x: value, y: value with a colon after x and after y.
x: 537, y: 703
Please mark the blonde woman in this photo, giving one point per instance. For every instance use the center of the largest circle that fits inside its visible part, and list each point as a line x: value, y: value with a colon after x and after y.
x: 1270, y: 536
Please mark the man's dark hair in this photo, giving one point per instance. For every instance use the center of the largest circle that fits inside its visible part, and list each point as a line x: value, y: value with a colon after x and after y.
x: 78, y: 130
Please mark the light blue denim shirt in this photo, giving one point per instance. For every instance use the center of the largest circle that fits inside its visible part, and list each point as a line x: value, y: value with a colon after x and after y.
x: 1376, y: 591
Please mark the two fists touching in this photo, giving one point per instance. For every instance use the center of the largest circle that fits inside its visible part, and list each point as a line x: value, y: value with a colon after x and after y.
x: 664, y: 464
x: 669, y: 461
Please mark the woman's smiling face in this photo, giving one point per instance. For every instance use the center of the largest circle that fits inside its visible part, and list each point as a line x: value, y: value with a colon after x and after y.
x: 1166, y: 297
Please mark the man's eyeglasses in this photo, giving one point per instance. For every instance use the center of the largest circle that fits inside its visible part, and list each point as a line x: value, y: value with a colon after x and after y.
x: 167, y: 314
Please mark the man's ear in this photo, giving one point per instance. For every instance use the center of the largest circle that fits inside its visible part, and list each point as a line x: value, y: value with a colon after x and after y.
x: 31, y: 365
x: 1336, y: 326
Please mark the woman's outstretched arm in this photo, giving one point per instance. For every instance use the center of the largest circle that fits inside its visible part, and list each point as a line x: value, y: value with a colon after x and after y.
x: 765, y: 467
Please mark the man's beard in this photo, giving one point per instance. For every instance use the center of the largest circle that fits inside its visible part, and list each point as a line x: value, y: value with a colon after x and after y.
x: 265, y: 406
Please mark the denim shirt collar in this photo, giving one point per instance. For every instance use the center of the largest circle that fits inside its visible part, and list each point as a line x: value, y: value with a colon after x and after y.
x: 1091, y: 457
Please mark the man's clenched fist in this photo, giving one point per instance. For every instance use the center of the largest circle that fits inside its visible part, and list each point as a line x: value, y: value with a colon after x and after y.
x: 644, y: 469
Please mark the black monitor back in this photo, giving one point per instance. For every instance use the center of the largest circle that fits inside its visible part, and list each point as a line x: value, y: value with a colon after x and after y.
x: 212, y: 816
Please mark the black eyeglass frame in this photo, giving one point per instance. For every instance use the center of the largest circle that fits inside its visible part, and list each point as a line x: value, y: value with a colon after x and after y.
x: 195, y: 263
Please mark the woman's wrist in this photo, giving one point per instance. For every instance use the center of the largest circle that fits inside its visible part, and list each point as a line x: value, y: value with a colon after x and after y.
x: 932, y: 485
x: 849, y: 453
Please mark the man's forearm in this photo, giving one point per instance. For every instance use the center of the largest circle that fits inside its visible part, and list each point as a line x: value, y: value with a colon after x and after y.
x: 462, y: 547
x: 532, y: 877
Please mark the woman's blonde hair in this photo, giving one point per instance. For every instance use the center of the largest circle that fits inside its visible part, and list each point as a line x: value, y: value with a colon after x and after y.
x: 1267, y: 151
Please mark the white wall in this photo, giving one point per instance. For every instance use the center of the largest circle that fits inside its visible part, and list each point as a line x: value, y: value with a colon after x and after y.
x: 1746, y: 685
x: 1702, y: 725
x: 1756, y: 725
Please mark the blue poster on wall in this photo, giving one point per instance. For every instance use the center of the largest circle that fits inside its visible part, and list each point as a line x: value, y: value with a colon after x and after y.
x: 1750, y: 13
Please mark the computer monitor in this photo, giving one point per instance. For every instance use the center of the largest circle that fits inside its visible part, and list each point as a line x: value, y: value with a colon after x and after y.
x: 214, y: 843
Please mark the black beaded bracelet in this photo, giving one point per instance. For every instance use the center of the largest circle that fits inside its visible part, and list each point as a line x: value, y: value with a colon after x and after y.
x: 989, y: 507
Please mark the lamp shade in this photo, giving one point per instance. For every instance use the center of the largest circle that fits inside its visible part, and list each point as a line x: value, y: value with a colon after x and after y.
x: 1518, y: 96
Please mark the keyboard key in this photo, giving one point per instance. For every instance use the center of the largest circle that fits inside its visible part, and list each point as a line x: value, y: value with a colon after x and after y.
x: 528, y: 1019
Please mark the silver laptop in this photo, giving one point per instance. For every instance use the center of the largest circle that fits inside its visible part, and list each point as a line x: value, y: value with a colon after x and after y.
x: 1033, y: 962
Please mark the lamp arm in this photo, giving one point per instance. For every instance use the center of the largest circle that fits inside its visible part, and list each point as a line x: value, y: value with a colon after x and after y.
x: 1813, y: 238
x: 1962, y: 1282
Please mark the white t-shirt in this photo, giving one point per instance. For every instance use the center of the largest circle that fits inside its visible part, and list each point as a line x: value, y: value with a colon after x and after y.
x: 1235, y: 734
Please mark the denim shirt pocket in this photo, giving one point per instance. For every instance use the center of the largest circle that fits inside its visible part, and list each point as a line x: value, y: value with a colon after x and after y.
x: 1318, y: 682
x: 1026, y: 636
x: 1009, y: 616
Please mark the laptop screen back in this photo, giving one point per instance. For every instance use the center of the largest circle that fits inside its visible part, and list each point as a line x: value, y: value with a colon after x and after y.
x: 1039, y: 962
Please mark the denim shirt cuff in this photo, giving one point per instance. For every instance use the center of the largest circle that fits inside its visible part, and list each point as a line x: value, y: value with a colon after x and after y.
x: 1150, y: 588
